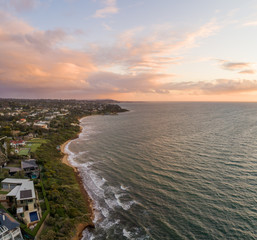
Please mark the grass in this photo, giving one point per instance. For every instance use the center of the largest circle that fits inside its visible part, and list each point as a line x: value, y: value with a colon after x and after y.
x: 35, y: 143
x: 3, y: 192
x: 24, y: 152
x: 33, y: 146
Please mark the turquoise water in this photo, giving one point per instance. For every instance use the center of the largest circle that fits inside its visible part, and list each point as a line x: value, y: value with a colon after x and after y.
x: 171, y: 171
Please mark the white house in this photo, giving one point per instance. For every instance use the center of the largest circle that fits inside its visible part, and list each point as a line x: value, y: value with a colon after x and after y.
x: 22, y: 195
x: 41, y: 124
x: 9, y: 227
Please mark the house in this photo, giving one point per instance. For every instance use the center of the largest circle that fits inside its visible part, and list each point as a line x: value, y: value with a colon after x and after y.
x: 41, y: 124
x: 21, y: 121
x: 13, y: 170
x: 9, y: 227
x: 15, y: 133
x: 22, y: 195
x: 29, y: 136
x: 19, y: 143
x: 30, y: 168
x: 49, y: 118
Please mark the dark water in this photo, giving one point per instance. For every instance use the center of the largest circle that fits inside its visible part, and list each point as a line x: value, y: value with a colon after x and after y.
x: 171, y: 171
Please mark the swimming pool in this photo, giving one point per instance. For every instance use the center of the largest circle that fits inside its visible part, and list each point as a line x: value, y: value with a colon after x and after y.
x: 33, y: 216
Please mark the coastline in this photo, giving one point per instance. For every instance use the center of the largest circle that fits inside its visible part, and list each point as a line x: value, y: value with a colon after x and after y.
x: 82, y: 226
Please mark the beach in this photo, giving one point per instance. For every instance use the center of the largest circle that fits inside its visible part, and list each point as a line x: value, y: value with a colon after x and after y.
x: 82, y: 226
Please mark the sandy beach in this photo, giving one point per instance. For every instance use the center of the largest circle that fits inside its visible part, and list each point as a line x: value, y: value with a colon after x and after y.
x: 81, y: 227
x: 65, y: 157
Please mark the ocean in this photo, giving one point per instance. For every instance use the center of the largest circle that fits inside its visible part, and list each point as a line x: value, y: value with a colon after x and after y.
x: 171, y: 171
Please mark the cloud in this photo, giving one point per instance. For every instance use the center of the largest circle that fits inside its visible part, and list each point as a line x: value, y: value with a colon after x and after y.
x: 107, y: 82
x: 248, y: 71
x: 32, y: 59
x: 34, y: 63
x: 19, y: 5
x: 219, y: 86
x: 235, y: 65
x: 110, y: 8
x: 153, y: 49
x: 12, y: 25
x: 241, y: 67
x: 107, y: 27
x: 249, y: 24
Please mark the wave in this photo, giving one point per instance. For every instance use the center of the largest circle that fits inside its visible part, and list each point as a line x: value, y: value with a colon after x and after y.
x: 110, y: 201
x: 126, y: 233
x: 71, y: 155
x: 122, y: 187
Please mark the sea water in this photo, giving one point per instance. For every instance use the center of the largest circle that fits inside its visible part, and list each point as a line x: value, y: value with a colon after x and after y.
x: 171, y: 171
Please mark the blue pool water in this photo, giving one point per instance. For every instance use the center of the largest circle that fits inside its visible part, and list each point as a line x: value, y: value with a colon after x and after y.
x: 33, y: 216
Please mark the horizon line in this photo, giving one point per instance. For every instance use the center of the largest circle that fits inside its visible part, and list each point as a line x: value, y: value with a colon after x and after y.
x: 124, y: 101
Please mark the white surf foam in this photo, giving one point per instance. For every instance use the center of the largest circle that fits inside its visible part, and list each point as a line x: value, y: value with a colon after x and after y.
x: 105, y: 212
x: 81, y: 153
x: 118, y: 195
x: 112, y: 203
x: 122, y: 187
x: 86, y: 235
x: 107, y: 224
x: 71, y: 155
x: 126, y: 233
x: 126, y: 206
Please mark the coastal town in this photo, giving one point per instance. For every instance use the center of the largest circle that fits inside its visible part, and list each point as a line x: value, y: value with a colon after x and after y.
x: 40, y: 197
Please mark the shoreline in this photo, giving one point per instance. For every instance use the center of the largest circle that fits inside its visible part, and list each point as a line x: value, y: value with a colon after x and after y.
x: 82, y: 226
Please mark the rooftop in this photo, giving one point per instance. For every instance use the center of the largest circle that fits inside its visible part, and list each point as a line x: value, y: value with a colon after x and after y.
x: 6, y: 221
x: 15, y: 180
x: 24, y: 189
x: 28, y: 163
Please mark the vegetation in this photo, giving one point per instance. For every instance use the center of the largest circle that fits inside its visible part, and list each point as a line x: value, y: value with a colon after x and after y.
x: 58, y: 185
x: 66, y: 203
x: 34, y: 144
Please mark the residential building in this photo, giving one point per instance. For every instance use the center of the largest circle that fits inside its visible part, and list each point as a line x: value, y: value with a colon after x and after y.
x: 19, y: 143
x: 23, y: 196
x: 9, y: 227
x: 41, y: 124
x: 30, y: 168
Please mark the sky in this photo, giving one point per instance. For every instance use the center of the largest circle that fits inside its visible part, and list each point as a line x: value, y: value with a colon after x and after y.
x: 129, y: 50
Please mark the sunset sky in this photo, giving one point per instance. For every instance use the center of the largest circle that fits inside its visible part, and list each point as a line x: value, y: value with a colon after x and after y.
x: 167, y: 50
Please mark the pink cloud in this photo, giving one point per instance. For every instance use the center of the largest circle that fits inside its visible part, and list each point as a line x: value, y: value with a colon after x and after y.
x: 110, y: 8
x: 248, y: 71
x: 33, y: 64
x: 32, y: 58
x: 235, y: 65
x: 137, y: 51
x: 20, y: 5
x: 242, y: 67
x: 219, y: 86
